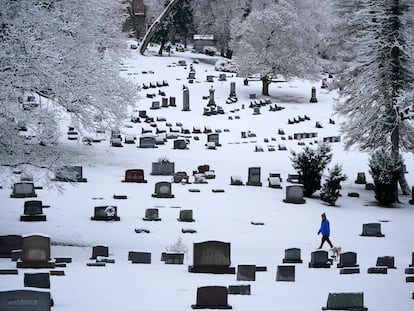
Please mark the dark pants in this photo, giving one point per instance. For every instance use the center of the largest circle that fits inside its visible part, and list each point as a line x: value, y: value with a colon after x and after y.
x: 326, y: 238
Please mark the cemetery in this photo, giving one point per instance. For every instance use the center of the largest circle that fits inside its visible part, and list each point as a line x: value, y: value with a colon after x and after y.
x: 241, y: 247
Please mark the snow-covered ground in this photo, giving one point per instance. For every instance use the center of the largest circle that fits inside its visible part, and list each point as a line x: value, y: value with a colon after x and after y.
x: 224, y: 216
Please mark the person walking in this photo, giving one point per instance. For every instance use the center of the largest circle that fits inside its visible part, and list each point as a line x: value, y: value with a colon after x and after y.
x: 325, y: 230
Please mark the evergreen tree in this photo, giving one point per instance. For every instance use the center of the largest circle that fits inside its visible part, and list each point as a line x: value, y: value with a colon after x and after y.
x: 330, y: 189
x: 310, y: 164
x: 377, y: 85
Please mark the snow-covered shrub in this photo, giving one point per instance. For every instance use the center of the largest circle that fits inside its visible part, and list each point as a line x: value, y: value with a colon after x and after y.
x: 225, y: 65
x: 209, y: 50
x: 385, y: 170
x: 310, y: 164
x: 330, y: 189
x: 177, y: 247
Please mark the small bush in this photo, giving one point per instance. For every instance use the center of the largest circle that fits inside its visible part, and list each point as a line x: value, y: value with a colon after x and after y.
x: 225, y: 65
x: 330, y: 189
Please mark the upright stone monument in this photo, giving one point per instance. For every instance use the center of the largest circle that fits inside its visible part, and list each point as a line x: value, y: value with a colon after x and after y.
x: 211, y: 101
x: 186, y: 99
x: 313, y: 96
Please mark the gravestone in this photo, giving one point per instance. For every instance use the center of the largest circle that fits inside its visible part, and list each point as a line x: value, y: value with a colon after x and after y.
x: 147, y: 142
x: 16, y: 254
x: 345, y: 301
x: 23, y: 190
x: 186, y: 215
x: 386, y: 261
x: 151, y: 214
x: 70, y: 174
x: 412, y: 260
x: 361, y: 179
x: 172, y: 102
x: 8, y: 243
x: 246, y: 273
x: 347, y: 260
x: 172, y: 258
x: 162, y: 168
x: 191, y: 75
x: 313, y: 96
x: 186, y: 100
x: 211, y: 257
x: 211, y: 101
x: 232, y: 90
x: 377, y: 270
x: 212, y: 297
x: 319, y: 259
x: 106, y: 213
x: 33, y: 211
x: 222, y: 77
x: 25, y: 300
x: 39, y: 280
x: 213, y: 138
x: 180, y: 144
x: 181, y: 177
x: 294, y: 194
x: 236, y: 181
x: 100, y: 251
x: 135, y: 175
x: 239, y: 290
x: 285, y: 273
x: 292, y: 255
x: 163, y: 189
x: 372, y: 229
x: 274, y: 181
x: 253, y: 178
x: 139, y: 257
x: 35, y: 252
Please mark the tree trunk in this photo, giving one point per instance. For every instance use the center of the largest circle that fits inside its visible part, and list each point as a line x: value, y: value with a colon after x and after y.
x: 265, y: 85
x: 153, y: 28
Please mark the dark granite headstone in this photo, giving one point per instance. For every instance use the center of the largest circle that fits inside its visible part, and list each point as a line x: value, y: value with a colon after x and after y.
x: 162, y: 168
x: 292, y: 255
x: 377, y: 270
x: 212, y: 297
x: 134, y: 175
x: 147, y: 142
x: 319, y: 259
x: 33, y: 211
x: 246, y: 273
x: 347, y: 259
x: 151, y: 214
x: 236, y: 181
x: 361, y: 179
x: 8, y: 243
x: 100, y: 251
x: 386, y: 261
x: 25, y: 300
x: 106, y: 213
x: 254, y: 177
x: 173, y: 258
x: 313, y: 96
x: 239, y: 290
x: 186, y: 215
x: 39, y: 280
x: 180, y: 144
x: 186, y: 99
x: 70, y: 174
x: 213, y: 138
x: 211, y: 257
x: 163, y: 190
x: 35, y: 252
x: 372, y: 229
x: 285, y: 273
x: 139, y: 257
x: 345, y: 301
x: 294, y: 194
x: 23, y: 190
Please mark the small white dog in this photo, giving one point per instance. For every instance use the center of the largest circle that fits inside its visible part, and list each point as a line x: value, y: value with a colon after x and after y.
x: 336, y: 252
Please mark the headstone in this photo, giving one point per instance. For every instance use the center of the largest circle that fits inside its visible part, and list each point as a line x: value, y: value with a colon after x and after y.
x: 239, y: 290
x: 285, y: 273
x: 222, y: 77
x: 181, y: 177
x: 211, y: 257
x: 372, y: 229
x: 186, y: 215
x: 294, y: 194
x: 180, y: 144
x: 23, y: 190
x: 236, y: 181
x: 377, y: 270
x: 233, y: 89
x: 162, y: 168
x: 292, y: 255
x: 347, y: 259
x: 274, y: 180
x: 139, y: 257
x: 135, y: 175
x: 345, y: 301
x: 39, y: 280
x: 100, y: 251
x: 8, y: 243
x: 173, y: 258
x: 25, y: 300
x: 147, y: 142
x: 246, y: 273
x: 211, y: 101
x: 212, y: 297
x: 151, y: 214
x: 16, y: 254
x: 361, y: 179
x: 70, y: 174
x: 349, y: 271
x: 214, y: 138
x: 186, y: 100
x: 210, y: 78
x: 106, y: 213
x: 172, y: 102
x: 163, y: 189
x: 35, y: 252
x: 386, y: 261
x: 254, y: 177
x: 313, y: 96
x: 33, y: 211
x: 411, y: 265
x: 319, y: 259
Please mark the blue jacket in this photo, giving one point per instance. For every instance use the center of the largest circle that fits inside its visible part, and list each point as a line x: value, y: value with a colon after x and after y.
x: 325, y: 230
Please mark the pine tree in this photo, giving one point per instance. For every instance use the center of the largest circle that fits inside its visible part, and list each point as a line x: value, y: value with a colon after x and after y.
x: 330, y: 189
x: 377, y: 85
x: 310, y: 164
